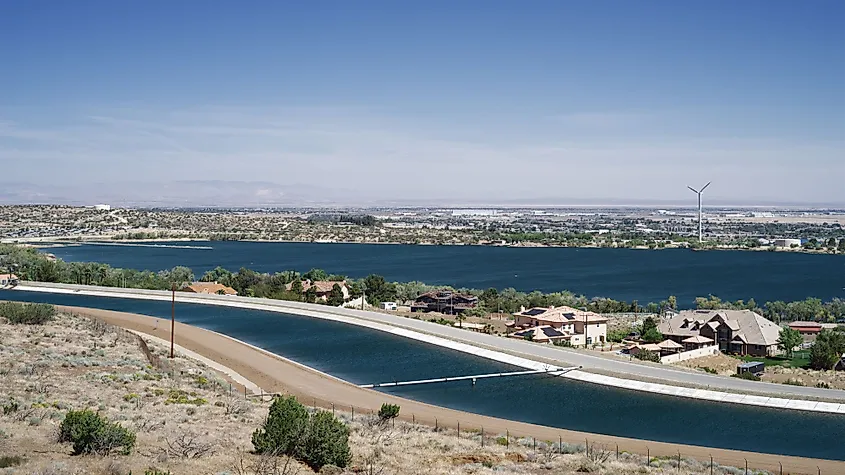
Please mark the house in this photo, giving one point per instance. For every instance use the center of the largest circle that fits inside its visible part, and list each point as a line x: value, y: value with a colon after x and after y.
x: 389, y: 306
x: 323, y: 288
x: 209, y: 288
x: 541, y: 334
x: 696, y: 342
x: 444, y: 301
x: 8, y: 279
x: 735, y: 331
x: 584, y: 327
x: 808, y: 330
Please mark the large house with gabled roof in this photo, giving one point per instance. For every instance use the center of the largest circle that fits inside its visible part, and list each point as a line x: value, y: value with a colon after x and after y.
x: 742, y: 332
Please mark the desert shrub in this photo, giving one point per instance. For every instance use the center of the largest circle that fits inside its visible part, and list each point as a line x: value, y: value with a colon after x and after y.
x: 91, y: 433
x: 794, y: 382
x: 388, y: 411
x: 317, y: 439
x: 707, y: 369
x: 823, y: 384
x: 18, y: 313
x: 7, y: 461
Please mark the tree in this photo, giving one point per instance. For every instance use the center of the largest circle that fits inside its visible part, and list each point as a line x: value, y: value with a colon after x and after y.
x: 296, y: 288
x: 841, y: 246
x: 311, y: 294
x: 284, y: 427
x: 315, y: 275
x: 379, y: 290
x: 673, y: 302
x: 827, y: 350
x: 335, y: 298
x: 649, y: 332
x: 460, y: 317
x: 318, y: 439
x: 788, y: 340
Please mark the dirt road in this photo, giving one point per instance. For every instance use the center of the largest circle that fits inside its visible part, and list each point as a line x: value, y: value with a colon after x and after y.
x: 277, y: 375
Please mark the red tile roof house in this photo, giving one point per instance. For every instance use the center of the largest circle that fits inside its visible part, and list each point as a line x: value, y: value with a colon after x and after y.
x: 209, y: 288
x: 323, y: 288
x: 444, y: 301
x: 567, y: 320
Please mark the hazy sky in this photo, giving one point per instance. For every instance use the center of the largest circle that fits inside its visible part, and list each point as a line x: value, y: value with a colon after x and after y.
x: 440, y: 99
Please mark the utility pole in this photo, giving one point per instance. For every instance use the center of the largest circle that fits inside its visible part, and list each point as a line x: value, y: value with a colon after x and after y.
x: 172, y: 317
x: 363, y: 294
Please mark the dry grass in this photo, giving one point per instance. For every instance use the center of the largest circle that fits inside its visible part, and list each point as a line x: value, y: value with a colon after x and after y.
x: 188, y: 422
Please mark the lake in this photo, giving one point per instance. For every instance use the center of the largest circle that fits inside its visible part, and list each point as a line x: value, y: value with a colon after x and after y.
x: 623, y: 274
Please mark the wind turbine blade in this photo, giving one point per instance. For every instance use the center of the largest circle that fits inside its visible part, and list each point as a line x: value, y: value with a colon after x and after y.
x: 693, y: 189
x: 705, y: 186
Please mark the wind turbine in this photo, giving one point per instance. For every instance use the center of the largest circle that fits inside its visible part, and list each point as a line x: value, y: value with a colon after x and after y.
x: 699, y: 192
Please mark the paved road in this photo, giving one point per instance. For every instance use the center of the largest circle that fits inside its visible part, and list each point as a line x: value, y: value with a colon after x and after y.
x: 566, y: 357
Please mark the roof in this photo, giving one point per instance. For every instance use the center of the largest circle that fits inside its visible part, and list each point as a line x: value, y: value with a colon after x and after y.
x: 209, y: 288
x: 321, y: 286
x: 805, y: 324
x: 750, y: 364
x: 669, y: 345
x: 698, y: 339
x: 562, y: 314
x: 446, y: 294
x: 649, y: 347
x: 750, y: 327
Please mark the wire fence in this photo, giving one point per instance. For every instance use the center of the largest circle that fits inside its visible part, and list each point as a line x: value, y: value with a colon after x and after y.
x: 597, y: 449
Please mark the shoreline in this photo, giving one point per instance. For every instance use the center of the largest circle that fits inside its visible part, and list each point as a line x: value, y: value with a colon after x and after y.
x: 458, y: 341
x: 76, y: 241
x: 279, y: 374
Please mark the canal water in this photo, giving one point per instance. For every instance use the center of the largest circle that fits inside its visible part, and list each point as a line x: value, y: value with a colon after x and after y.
x: 362, y: 355
x: 622, y: 274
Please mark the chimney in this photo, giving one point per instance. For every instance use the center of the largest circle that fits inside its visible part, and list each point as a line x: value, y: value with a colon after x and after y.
x: 521, y: 308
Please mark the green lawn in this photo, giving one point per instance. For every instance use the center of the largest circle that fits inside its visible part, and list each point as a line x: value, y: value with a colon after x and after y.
x: 800, y: 359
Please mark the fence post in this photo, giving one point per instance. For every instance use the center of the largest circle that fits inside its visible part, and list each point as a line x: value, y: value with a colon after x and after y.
x: 535, y: 444
x: 413, y: 418
x: 679, y: 460
x: 617, y: 451
x: 507, y: 439
x: 746, y: 466
x: 587, y: 447
x: 353, y: 413
x: 482, y: 436
x: 711, y: 465
x: 647, y: 456
x: 459, y: 429
x: 560, y: 444
x: 435, y: 424
x: 332, y: 409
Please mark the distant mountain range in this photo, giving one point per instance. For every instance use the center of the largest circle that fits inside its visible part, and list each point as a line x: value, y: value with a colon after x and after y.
x: 231, y: 194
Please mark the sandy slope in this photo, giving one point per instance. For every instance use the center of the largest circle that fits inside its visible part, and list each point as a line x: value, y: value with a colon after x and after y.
x: 275, y: 374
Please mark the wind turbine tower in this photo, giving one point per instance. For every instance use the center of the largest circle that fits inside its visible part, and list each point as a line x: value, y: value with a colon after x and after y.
x: 699, y: 192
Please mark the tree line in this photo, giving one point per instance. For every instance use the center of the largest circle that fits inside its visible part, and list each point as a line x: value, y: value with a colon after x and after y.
x: 30, y: 264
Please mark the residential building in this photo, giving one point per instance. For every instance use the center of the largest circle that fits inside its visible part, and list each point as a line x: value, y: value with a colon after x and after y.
x: 323, y: 288
x: 209, y: 288
x: 808, y: 330
x: 787, y: 243
x: 735, y: 331
x: 444, y: 301
x: 582, y: 327
x: 389, y: 306
x: 8, y: 279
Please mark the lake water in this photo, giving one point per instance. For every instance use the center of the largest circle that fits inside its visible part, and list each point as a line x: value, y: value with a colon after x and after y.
x: 623, y: 274
x: 362, y: 355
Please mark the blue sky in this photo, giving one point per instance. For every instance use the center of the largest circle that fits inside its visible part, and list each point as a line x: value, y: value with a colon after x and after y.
x: 466, y: 99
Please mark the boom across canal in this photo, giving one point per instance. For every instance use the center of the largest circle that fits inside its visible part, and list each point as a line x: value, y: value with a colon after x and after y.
x: 551, y: 371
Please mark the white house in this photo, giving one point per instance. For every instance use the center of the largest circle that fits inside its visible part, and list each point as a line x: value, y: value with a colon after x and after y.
x: 580, y: 327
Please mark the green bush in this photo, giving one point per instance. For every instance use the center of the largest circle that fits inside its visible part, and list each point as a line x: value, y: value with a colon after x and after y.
x: 388, y: 411
x: 748, y: 376
x: 91, y: 433
x: 317, y: 439
x: 646, y: 355
x: 27, y: 313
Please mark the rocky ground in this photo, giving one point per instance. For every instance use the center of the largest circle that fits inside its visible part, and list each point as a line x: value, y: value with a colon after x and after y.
x: 189, y: 420
x: 726, y: 365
